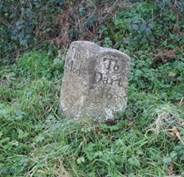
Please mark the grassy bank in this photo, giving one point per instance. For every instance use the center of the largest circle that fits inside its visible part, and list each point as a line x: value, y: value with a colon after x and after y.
x: 148, y: 140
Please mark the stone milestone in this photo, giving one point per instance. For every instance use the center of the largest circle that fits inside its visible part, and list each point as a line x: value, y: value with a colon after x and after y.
x: 95, y: 81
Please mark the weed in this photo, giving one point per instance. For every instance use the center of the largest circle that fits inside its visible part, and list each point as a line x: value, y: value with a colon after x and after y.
x: 36, y: 140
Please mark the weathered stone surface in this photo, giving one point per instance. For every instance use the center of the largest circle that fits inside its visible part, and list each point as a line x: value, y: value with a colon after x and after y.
x: 95, y: 81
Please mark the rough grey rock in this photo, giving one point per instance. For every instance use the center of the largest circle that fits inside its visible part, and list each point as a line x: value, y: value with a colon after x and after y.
x: 95, y: 81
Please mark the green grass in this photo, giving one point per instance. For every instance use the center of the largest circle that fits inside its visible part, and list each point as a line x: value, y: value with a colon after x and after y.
x: 35, y: 140
x: 148, y: 140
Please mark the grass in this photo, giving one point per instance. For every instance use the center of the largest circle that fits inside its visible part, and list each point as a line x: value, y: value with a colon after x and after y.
x: 37, y: 141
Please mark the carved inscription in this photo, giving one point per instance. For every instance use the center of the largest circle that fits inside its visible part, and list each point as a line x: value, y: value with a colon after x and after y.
x: 95, y: 81
x: 111, y: 73
x: 110, y: 65
x: 102, y: 78
x: 73, y: 67
x: 107, y: 73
